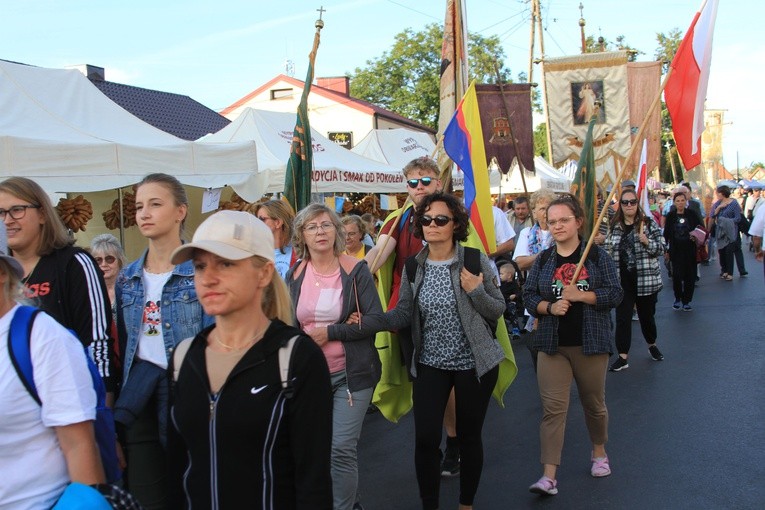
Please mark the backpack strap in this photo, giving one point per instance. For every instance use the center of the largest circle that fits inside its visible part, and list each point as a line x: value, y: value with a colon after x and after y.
x: 285, y: 366
x: 179, y: 354
x: 19, y: 336
x: 411, y: 268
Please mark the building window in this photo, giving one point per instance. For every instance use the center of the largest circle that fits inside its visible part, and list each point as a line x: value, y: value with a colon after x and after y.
x: 277, y: 94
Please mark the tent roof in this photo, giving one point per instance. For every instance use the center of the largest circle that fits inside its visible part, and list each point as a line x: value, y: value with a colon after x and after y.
x: 58, y: 129
x: 335, y: 169
x: 545, y: 176
x: 395, y: 147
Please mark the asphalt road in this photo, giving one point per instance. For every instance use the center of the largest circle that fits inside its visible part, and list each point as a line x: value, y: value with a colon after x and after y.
x: 685, y: 433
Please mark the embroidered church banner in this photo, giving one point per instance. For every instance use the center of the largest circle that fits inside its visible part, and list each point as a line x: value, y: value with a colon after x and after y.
x: 497, y: 124
x: 643, y: 82
x: 574, y: 86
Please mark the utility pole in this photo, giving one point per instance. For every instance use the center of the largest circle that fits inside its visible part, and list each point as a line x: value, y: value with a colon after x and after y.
x: 581, y: 27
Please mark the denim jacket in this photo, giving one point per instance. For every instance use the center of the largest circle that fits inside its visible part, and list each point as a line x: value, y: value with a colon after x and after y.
x: 182, y: 314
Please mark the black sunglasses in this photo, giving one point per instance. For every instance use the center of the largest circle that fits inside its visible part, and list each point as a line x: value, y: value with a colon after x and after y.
x: 425, y: 181
x: 440, y: 220
x: 629, y: 202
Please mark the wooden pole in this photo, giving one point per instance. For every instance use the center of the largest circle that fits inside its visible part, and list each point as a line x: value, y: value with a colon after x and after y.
x: 622, y: 173
x: 510, y: 129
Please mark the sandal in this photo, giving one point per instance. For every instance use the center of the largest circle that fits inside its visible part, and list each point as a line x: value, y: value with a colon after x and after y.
x: 600, y: 467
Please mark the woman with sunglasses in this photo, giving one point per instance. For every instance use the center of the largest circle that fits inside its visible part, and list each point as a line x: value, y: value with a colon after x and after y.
x: 635, y: 242
x: 326, y: 287
x: 573, y: 337
x: 59, y: 278
x: 110, y: 257
x: 279, y: 217
x: 451, y: 345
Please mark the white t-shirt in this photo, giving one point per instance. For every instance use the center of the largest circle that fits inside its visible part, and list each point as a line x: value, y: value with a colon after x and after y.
x: 151, y: 343
x: 503, y: 230
x: 33, y: 471
x: 522, y: 247
x: 757, y: 228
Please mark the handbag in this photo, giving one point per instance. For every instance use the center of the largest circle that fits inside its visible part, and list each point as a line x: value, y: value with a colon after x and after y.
x: 699, y: 236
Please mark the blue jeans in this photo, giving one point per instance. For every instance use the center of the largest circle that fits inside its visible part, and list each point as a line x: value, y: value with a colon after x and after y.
x: 348, y: 411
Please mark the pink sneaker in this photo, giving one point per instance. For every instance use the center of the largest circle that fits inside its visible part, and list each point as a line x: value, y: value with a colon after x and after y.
x: 600, y: 467
x: 545, y: 486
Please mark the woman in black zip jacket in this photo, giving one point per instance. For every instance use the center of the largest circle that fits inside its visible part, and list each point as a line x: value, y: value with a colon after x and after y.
x: 238, y: 437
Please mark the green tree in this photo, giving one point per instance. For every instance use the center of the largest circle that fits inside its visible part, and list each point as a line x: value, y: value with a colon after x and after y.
x: 540, y: 140
x: 602, y: 44
x: 406, y: 79
x: 665, y: 52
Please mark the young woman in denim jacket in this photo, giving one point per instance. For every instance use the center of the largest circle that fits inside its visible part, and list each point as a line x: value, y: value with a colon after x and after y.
x: 157, y: 307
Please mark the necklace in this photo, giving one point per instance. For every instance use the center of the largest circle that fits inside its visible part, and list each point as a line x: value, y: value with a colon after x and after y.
x: 317, y: 275
x: 258, y: 335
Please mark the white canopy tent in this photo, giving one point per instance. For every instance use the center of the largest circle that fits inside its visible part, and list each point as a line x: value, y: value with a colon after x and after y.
x: 546, y: 176
x: 60, y: 130
x: 336, y: 170
x: 397, y: 147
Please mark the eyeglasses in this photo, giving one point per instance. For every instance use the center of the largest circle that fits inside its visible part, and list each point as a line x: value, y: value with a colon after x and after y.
x: 352, y: 234
x: 440, y: 220
x: 565, y: 220
x: 17, y: 211
x: 313, y: 228
x: 109, y: 259
x: 424, y: 180
x: 629, y: 202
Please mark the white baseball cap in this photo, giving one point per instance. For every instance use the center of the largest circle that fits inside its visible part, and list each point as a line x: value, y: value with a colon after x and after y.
x: 12, y: 263
x: 232, y: 235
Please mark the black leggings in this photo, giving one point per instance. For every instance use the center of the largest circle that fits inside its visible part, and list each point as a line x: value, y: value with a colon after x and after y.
x: 430, y: 393
x: 683, y: 275
x: 646, y: 309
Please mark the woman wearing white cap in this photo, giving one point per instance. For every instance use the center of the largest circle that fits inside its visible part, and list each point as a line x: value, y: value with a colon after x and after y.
x: 236, y: 433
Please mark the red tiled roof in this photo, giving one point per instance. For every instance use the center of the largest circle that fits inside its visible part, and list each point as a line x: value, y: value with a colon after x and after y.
x: 352, y: 102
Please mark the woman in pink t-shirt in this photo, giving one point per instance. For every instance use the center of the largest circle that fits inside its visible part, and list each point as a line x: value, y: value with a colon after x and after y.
x: 326, y: 287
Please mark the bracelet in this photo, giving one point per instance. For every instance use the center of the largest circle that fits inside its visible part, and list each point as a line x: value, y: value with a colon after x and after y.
x: 549, y: 308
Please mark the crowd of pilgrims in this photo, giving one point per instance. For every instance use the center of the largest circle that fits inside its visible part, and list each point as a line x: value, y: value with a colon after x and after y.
x: 240, y: 365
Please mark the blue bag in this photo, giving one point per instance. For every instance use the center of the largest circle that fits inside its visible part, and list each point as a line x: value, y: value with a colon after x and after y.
x: 78, y: 496
x: 19, y: 350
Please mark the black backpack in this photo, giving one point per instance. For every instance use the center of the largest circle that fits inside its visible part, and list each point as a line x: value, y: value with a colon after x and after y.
x: 472, y: 261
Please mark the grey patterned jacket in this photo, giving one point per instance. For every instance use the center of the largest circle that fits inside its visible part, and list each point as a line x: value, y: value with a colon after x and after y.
x: 485, y: 303
x: 646, y: 257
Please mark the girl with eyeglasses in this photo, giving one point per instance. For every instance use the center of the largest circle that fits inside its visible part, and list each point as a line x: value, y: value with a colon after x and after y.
x: 326, y: 287
x: 60, y: 278
x: 573, y: 337
x: 451, y: 344
x: 635, y: 242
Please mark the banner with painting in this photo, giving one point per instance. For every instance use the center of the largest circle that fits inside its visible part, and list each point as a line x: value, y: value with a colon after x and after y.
x: 578, y: 87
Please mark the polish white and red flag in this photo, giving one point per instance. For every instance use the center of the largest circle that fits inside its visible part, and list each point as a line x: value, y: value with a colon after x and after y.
x: 642, y: 180
x: 686, y: 88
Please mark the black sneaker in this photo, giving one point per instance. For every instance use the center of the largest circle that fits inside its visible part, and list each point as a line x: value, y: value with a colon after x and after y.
x: 450, y: 466
x: 619, y: 364
x: 655, y: 353
x: 677, y: 305
x: 687, y: 308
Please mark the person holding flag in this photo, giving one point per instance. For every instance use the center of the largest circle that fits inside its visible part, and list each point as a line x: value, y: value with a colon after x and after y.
x: 635, y: 242
x: 573, y: 336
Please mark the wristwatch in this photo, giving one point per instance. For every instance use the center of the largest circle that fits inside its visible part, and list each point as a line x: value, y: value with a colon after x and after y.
x: 549, y: 308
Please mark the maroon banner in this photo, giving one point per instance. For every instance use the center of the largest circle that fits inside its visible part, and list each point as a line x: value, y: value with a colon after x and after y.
x: 497, y: 124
